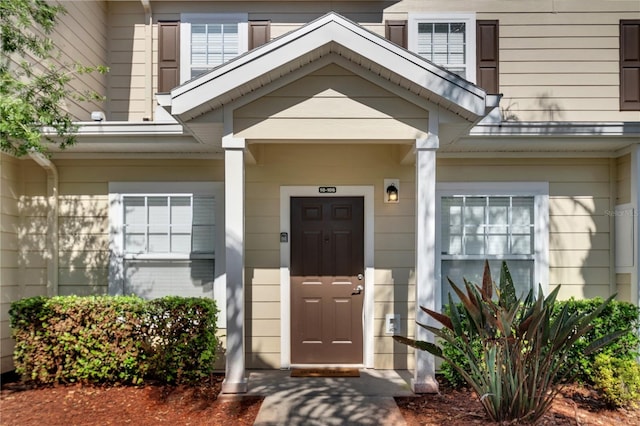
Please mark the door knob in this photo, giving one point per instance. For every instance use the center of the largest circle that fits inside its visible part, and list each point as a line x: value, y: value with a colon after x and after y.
x: 358, y: 289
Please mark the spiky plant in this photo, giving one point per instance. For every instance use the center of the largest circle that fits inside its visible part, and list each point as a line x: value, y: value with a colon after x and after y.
x: 524, y: 345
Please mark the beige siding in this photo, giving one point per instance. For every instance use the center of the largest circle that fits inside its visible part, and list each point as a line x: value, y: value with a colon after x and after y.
x: 623, y: 284
x: 334, y: 103
x: 9, y: 256
x: 128, y: 95
x: 558, y: 59
x: 317, y: 164
x: 623, y: 179
x: 84, y: 219
x: 579, y: 247
x: 81, y: 35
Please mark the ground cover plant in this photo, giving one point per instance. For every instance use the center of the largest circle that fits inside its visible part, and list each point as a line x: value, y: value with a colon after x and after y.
x: 525, y: 346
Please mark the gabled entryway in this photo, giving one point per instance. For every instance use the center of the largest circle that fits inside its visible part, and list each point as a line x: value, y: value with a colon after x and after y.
x: 292, y: 92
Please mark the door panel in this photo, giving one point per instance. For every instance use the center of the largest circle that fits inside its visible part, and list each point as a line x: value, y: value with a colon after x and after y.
x: 327, y: 256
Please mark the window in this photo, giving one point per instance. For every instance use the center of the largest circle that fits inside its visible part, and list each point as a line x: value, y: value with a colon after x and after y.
x: 494, y: 225
x: 209, y: 40
x: 446, y: 40
x: 163, y: 240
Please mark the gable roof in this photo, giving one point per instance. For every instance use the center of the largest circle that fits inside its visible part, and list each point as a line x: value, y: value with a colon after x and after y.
x: 330, y: 34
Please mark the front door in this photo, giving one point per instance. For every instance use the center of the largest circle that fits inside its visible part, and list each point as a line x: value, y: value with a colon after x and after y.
x: 327, y: 284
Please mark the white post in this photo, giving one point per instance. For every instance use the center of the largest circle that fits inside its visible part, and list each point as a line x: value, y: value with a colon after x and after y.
x: 635, y: 201
x: 424, y: 380
x: 235, y: 378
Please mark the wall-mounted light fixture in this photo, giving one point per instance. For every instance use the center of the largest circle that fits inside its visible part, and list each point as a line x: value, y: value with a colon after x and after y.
x: 391, y: 191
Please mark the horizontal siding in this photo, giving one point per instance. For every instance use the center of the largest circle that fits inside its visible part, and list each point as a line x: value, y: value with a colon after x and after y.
x: 10, y: 283
x: 81, y: 36
x: 559, y: 60
x: 623, y: 179
x: 579, y: 229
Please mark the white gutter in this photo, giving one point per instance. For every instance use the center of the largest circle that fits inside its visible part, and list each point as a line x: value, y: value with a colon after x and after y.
x: 52, y: 221
x: 148, y: 59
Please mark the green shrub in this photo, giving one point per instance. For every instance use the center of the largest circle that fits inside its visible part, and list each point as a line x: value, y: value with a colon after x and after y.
x: 184, y: 342
x: 616, y: 317
x: 617, y: 380
x: 524, y: 345
x: 103, y: 339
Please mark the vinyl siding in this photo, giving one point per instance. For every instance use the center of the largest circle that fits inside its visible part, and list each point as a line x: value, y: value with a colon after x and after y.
x: 84, y: 212
x: 81, y: 36
x: 128, y: 97
x: 331, y: 103
x: 9, y: 256
x: 623, y: 179
x: 558, y: 60
x: 579, y: 258
x: 332, y: 164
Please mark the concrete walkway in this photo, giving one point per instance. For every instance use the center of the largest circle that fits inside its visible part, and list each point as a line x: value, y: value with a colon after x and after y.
x: 364, y: 400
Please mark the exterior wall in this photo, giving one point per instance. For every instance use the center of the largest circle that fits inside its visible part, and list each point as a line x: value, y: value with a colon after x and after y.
x: 9, y: 257
x: 558, y: 59
x: 327, y: 164
x: 81, y: 36
x: 579, y: 228
x: 331, y: 103
x: 84, y: 211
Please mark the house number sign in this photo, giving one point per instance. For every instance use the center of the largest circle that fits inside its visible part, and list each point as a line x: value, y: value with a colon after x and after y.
x: 327, y: 189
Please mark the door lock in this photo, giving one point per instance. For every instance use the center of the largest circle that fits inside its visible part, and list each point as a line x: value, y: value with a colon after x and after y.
x: 360, y: 277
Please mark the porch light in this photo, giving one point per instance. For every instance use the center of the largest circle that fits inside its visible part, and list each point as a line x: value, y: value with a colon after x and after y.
x: 391, y: 191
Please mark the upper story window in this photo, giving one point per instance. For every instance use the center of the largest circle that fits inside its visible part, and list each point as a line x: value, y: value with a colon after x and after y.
x: 209, y: 40
x: 448, y: 40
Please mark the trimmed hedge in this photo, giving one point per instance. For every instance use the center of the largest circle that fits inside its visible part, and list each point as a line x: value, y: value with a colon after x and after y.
x: 121, y: 339
x: 616, y: 316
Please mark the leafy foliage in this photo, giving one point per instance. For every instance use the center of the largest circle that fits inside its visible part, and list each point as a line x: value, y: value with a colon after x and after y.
x: 617, y: 380
x: 33, y: 83
x: 113, y: 339
x: 524, y: 345
x: 616, y: 317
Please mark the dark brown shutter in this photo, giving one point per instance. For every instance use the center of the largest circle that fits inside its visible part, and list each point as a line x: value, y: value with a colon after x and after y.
x: 630, y: 65
x: 168, y: 55
x: 396, y: 31
x: 487, y: 56
x: 259, y: 33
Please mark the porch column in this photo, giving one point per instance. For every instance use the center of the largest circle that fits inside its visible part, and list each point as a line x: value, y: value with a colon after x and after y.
x: 426, y: 286
x: 235, y: 378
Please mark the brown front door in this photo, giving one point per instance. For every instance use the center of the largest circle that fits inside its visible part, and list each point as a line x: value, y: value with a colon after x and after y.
x: 327, y: 285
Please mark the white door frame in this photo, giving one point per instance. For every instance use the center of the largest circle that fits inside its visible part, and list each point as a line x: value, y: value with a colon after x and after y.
x: 286, y: 193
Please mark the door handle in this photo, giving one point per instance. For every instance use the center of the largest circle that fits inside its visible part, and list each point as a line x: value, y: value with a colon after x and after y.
x: 357, y: 290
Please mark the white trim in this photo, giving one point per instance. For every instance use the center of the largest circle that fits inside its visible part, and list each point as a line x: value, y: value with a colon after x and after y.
x: 116, y: 221
x: 635, y: 201
x: 186, y: 19
x: 286, y: 192
x: 469, y: 19
x: 538, y: 190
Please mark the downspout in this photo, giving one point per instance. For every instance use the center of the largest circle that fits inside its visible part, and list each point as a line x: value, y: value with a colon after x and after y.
x: 148, y: 59
x: 52, y: 221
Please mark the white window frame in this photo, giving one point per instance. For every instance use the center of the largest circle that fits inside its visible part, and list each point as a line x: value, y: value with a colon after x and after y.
x: 470, y: 24
x: 186, y: 19
x: 119, y: 190
x: 540, y: 193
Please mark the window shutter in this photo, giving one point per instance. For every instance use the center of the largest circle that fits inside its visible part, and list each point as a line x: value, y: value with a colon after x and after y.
x: 168, y: 55
x: 259, y: 33
x: 630, y: 65
x: 487, y: 54
x: 396, y: 32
